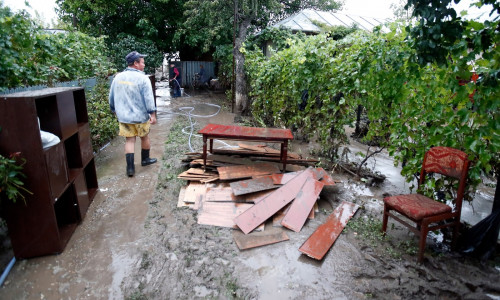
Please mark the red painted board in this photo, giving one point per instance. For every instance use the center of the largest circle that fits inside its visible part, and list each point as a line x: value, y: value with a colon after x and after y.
x: 267, y: 207
x: 325, y: 178
x: 283, y: 178
x: 233, y: 131
x: 302, y: 206
x: 248, y: 186
x: 280, y: 215
x: 325, y: 235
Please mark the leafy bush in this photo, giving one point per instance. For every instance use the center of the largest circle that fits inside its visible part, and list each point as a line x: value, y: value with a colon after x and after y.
x: 11, y: 176
x: 32, y: 56
x: 126, y: 43
x: 314, y: 83
x: 103, y: 124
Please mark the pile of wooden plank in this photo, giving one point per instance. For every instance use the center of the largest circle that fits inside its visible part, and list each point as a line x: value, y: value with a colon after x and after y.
x: 246, y: 155
x: 244, y: 196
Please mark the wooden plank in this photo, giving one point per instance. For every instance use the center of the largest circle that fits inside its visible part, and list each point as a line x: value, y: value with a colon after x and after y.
x: 326, y: 179
x: 253, y: 240
x: 221, y: 214
x: 246, y: 171
x: 229, y: 159
x: 283, y: 178
x: 251, y: 147
x: 194, y: 192
x: 291, y: 160
x: 248, y: 186
x: 302, y: 206
x: 182, y: 193
x: 325, y: 235
x: 278, y: 217
x: 268, y: 206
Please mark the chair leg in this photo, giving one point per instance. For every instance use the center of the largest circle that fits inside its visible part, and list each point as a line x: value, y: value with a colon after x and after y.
x: 385, y: 219
x: 423, y: 239
x: 454, y: 236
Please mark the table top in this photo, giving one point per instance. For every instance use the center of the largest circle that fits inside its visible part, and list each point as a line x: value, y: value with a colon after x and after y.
x: 233, y: 131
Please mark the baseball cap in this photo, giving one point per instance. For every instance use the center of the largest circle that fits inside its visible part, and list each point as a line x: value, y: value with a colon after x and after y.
x: 133, y: 56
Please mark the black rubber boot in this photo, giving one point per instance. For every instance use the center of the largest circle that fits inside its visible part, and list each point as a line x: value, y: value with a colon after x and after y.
x: 130, y: 164
x: 145, y: 160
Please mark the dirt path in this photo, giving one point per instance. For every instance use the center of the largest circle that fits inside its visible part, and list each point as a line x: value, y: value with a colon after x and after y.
x: 136, y: 244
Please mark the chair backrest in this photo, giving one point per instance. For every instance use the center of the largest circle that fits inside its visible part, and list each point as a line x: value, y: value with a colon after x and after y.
x: 449, y: 162
x: 446, y: 161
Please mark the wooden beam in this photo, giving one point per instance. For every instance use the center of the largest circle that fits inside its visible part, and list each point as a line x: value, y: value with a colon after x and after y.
x: 318, y: 244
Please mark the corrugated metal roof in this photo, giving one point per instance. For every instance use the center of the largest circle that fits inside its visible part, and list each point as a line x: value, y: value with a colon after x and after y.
x: 303, y: 21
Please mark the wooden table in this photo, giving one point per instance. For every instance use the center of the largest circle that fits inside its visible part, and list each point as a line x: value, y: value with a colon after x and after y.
x: 241, y: 133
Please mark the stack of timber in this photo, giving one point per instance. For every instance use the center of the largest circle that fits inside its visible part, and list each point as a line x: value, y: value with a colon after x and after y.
x: 244, y: 195
x: 244, y: 155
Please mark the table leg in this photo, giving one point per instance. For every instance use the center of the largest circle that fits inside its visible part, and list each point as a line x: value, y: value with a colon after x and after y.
x: 204, y: 152
x: 284, y: 154
x: 211, y: 145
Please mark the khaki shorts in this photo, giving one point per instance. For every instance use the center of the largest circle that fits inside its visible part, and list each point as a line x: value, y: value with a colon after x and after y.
x: 131, y: 130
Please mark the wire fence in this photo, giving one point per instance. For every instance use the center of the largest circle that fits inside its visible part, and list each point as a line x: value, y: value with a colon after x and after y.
x: 88, y: 84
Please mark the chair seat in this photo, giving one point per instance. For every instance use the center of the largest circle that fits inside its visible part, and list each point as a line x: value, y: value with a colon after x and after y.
x: 416, y: 206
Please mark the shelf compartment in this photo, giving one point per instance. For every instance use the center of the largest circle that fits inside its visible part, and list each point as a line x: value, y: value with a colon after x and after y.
x: 82, y: 194
x: 73, y: 153
x: 91, y: 179
x: 80, y: 106
x: 84, y: 138
x: 67, y: 215
x: 57, y: 114
x: 55, y: 159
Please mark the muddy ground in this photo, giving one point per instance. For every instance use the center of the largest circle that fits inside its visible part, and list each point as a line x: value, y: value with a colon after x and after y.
x: 135, y: 243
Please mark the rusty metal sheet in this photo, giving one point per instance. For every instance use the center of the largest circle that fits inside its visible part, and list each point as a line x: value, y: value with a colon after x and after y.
x: 252, y: 185
x: 246, y: 171
x: 243, y: 132
x: 253, y: 240
x: 268, y: 206
x: 302, y: 206
x: 326, y: 179
x: 325, y: 235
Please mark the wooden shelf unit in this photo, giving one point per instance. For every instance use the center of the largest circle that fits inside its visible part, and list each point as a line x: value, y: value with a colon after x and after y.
x: 62, y: 178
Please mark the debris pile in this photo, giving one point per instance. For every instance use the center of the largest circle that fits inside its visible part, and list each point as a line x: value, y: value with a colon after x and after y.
x: 243, y: 192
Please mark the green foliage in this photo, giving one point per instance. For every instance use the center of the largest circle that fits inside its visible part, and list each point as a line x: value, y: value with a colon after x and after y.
x: 16, y: 41
x: 224, y: 56
x: 411, y: 107
x: 102, y: 122
x: 11, y: 176
x: 33, y: 56
x: 126, y: 43
x: 279, y: 37
x: 293, y: 88
x: 154, y: 20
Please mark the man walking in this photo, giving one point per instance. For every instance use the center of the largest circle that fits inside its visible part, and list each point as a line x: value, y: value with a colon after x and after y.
x: 131, y: 99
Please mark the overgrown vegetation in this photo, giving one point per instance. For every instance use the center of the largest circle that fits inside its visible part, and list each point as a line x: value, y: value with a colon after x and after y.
x: 314, y: 85
x: 102, y: 122
x: 31, y: 55
x: 11, y: 176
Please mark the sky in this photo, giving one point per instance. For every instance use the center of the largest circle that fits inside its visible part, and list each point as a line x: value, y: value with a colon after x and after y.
x: 366, y: 8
